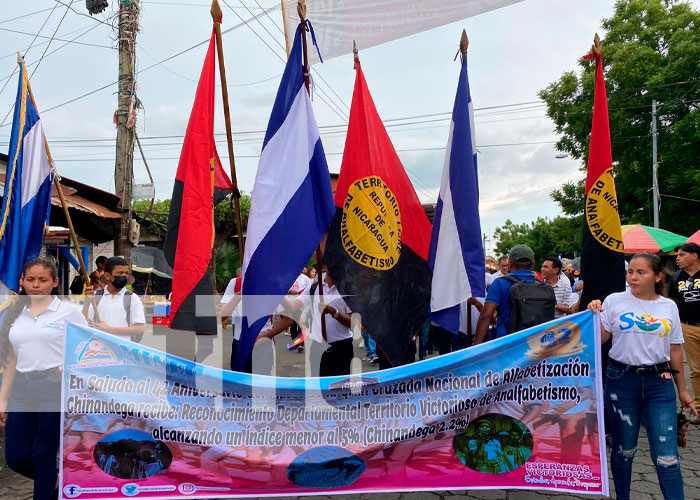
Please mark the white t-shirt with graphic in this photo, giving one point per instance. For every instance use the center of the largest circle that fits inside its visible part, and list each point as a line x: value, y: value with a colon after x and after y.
x: 642, y: 330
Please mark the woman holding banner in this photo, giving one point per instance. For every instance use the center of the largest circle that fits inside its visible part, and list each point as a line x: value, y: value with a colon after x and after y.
x: 32, y: 335
x: 645, y: 360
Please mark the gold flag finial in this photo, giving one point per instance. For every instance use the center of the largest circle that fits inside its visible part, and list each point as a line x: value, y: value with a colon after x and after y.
x: 301, y: 10
x: 464, y: 43
x: 215, y: 11
x: 597, y: 47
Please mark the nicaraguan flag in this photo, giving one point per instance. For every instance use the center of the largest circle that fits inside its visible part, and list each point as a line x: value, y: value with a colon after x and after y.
x: 456, y: 254
x: 26, y: 202
x: 291, y: 205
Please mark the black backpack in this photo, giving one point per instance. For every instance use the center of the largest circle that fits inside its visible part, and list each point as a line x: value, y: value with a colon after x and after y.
x: 127, y: 308
x: 530, y: 303
x: 76, y: 286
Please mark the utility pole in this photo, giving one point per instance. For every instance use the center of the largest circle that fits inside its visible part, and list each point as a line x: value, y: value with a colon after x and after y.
x: 655, y: 163
x: 126, y: 120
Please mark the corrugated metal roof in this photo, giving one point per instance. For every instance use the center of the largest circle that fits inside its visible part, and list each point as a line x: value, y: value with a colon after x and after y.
x: 74, y: 201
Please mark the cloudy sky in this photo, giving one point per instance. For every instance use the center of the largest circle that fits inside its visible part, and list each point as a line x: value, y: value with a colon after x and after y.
x: 514, y: 52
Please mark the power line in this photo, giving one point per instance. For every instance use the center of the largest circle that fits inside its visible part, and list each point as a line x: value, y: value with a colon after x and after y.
x: 400, y: 150
x: 89, y: 29
x: 326, y: 130
x: 315, y: 68
x: 28, y: 48
x: 87, y: 94
x: 184, y: 4
x: 53, y: 36
x: 40, y: 59
x: 539, y: 190
x: 321, y: 93
x: 92, y: 18
x: 56, y: 39
x: 233, y: 85
x: 26, y: 15
x: 679, y: 197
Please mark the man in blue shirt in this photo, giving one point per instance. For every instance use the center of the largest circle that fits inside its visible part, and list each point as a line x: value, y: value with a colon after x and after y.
x: 521, y: 259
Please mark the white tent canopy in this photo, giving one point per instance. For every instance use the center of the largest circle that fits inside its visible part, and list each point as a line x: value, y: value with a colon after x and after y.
x: 371, y: 22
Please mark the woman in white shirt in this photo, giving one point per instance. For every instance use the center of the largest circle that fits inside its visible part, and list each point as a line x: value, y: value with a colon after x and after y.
x: 645, y: 360
x: 31, y: 351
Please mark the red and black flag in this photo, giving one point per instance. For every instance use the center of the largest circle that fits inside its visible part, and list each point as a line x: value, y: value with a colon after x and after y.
x: 602, y: 257
x: 200, y: 182
x: 377, y: 246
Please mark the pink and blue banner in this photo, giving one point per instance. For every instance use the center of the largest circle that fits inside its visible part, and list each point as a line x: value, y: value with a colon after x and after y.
x: 521, y: 412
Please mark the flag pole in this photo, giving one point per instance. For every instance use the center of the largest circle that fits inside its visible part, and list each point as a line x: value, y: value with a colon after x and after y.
x: 216, y: 16
x: 464, y: 44
x: 301, y: 10
x: 59, y: 188
x: 284, y: 25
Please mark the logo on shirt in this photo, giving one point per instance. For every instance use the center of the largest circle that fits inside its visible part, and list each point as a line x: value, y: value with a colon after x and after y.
x: 690, y: 290
x: 557, y: 341
x: 56, y: 325
x: 94, y: 351
x: 646, y: 323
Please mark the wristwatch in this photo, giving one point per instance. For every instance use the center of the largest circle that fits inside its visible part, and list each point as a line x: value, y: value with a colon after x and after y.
x: 335, y: 314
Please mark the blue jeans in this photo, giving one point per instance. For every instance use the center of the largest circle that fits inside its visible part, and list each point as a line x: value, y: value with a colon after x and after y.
x: 631, y: 398
x: 423, y: 339
x: 370, y: 344
x: 33, y: 433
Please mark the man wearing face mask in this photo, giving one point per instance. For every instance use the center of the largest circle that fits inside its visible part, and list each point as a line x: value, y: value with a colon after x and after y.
x: 120, y: 310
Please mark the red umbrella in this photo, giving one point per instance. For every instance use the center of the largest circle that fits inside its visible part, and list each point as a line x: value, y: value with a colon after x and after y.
x: 695, y: 238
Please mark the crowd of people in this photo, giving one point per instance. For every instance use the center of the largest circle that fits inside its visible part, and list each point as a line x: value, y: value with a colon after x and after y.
x: 648, y: 327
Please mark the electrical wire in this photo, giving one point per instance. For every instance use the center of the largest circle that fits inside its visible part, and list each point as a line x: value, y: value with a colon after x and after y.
x: 87, y: 28
x: 87, y: 94
x: 199, y: 5
x: 399, y: 150
x: 26, y: 15
x: 50, y: 39
x: 39, y: 61
x: 53, y: 36
x: 28, y: 48
x: 233, y: 85
x: 319, y: 91
x: 315, y: 69
x: 82, y: 14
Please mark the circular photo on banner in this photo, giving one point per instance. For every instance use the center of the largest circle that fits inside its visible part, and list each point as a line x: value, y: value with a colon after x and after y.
x: 132, y: 454
x: 325, y: 467
x: 493, y: 444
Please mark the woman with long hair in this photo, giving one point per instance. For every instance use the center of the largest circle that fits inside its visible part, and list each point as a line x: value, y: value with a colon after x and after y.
x: 645, y: 361
x: 31, y: 351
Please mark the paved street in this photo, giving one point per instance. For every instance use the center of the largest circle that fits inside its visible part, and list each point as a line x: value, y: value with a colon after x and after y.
x: 644, y: 481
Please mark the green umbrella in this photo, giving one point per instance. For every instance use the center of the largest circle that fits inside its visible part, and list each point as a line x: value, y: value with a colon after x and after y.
x: 637, y: 238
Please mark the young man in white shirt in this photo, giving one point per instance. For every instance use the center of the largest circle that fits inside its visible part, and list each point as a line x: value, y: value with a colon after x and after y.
x: 300, y: 284
x: 120, y: 310
x: 337, y: 358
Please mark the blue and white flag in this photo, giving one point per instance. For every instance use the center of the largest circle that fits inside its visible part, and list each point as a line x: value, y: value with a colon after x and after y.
x: 26, y: 202
x: 456, y: 252
x: 291, y: 205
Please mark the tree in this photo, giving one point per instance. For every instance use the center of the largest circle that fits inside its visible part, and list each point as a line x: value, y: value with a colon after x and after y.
x: 224, y: 227
x: 651, y: 52
x: 546, y: 237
